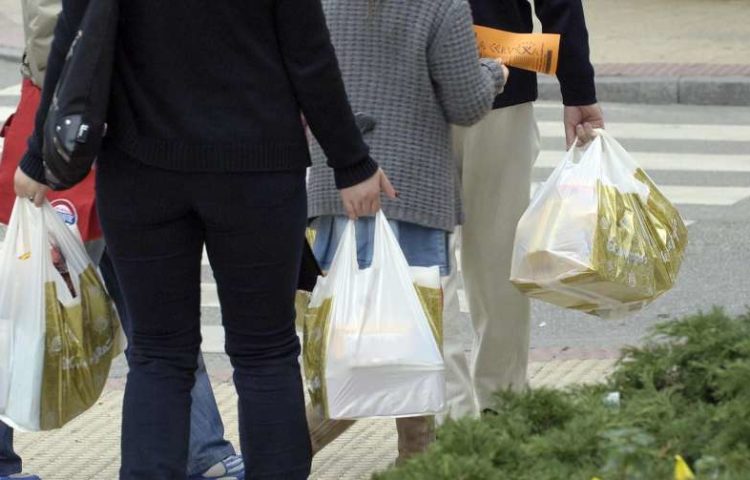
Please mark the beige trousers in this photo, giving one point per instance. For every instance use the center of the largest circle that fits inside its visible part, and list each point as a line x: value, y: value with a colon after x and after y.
x: 496, y: 157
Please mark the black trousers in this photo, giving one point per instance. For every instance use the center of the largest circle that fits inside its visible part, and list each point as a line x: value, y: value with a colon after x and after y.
x: 156, y: 223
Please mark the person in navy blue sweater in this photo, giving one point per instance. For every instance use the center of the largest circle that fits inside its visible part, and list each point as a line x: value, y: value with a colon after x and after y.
x: 206, y: 146
x: 497, y: 155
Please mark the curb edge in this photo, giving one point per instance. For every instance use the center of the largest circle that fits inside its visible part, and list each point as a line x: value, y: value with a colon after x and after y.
x: 724, y: 91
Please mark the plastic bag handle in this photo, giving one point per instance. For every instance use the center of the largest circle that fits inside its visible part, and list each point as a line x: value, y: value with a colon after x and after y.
x: 601, y: 132
x: 345, y: 258
x: 23, y: 241
x: 386, y: 248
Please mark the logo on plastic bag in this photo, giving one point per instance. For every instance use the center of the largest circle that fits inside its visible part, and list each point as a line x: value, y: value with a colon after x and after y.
x: 66, y: 210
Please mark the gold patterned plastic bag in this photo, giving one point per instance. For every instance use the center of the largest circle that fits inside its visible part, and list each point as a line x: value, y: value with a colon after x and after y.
x: 598, y: 236
x: 372, y: 337
x: 63, y: 327
x: 81, y: 340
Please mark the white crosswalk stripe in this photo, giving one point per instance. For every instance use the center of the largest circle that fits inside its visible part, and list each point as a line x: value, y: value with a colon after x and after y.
x: 12, y: 91
x: 209, y: 295
x: 660, y: 131
x: 697, y: 162
x: 213, y: 338
x: 695, y: 195
x: 5, y: 112
x: 668, y: 161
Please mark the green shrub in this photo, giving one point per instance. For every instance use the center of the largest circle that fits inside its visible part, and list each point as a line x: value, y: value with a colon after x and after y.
x: 686, y: 392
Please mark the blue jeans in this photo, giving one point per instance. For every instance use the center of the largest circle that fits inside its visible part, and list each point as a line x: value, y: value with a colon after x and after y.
x: 10, y: 463
x: 422, y: 246
x: 207, y: 444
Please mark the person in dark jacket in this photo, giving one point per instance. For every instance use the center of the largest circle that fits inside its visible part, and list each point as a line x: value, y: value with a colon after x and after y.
x: 497, y: 155
x: 210, y: 454
x: 206, y: 146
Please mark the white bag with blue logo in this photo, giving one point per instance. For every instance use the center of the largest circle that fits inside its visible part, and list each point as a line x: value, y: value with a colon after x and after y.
x: 58, y: 334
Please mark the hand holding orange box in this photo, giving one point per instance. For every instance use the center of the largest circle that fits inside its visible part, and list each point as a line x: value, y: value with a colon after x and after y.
x: 537, y: 52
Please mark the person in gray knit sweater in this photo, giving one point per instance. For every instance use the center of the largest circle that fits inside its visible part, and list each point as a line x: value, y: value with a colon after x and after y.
x: 411, y: 69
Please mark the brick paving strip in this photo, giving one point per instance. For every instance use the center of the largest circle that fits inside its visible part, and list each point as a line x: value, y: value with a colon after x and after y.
x: 671, y: 70
x: 665, y: 83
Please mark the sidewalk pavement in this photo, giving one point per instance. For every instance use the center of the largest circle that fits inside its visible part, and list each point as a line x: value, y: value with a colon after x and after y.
x: 88, y: 448
x: 671, y: 51
x: 11, y: 29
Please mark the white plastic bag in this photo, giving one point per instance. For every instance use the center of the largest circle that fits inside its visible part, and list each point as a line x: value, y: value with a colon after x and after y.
x: 56, y: 344
x: 598, y: 235
x: 371, y: 348
x: 22, y: 297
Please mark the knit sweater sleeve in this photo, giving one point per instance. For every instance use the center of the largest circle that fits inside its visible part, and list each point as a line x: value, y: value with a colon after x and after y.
x: 464, y: 85
x: 313, y: 68
x: 575, y: 73
x: 68, y: 23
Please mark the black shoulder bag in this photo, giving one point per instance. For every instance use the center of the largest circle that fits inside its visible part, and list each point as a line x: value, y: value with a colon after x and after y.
x: 76, y: 121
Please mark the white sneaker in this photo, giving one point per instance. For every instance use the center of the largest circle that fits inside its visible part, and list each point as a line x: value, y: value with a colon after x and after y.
x: 231, y: 468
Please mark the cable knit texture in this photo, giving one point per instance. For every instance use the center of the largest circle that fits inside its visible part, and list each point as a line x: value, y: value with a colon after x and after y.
x: 413, y: 67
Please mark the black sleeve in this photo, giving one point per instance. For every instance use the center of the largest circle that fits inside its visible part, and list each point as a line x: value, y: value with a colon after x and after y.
x: 575, y: 72
x: 311, y: 63
x: 68, y: 23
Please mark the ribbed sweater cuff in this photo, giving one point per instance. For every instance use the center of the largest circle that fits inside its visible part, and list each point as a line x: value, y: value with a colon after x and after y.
x: 498, y: 76
x: 358, y: 173
x: 33, y: 166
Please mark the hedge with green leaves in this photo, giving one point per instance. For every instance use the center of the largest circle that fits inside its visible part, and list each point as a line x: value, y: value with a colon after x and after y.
x: 685, y: 392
